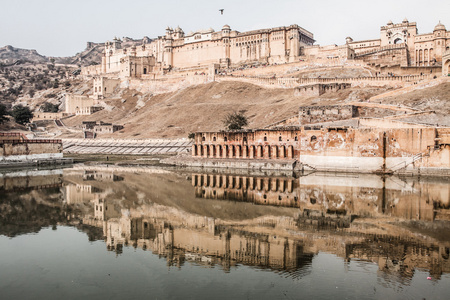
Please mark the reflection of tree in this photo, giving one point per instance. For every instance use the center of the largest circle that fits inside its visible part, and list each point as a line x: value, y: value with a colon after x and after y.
x: 29, y: 211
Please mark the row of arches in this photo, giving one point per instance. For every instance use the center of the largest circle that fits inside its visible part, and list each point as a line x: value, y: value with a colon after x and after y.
x: 446, y: 66
x: 424, y: 57
x: 244, y: 151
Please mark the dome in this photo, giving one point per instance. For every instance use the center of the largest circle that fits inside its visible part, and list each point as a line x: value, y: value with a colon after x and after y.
x: 226, y: 26
x: 405, y: 20
x: 439, y: 26
x: 390, y: 22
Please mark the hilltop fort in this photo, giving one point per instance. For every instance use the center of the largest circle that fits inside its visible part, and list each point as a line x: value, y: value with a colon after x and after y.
x: 377, y: 105
x: 399, y: 44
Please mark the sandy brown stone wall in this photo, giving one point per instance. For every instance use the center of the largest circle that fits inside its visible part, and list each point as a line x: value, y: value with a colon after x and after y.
x: 30, y: 148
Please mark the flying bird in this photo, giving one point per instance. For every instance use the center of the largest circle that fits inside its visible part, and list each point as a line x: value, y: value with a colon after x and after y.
x: 221, y: 11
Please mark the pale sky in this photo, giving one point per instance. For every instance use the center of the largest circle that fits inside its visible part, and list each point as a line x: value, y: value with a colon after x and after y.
x: 62, y: 27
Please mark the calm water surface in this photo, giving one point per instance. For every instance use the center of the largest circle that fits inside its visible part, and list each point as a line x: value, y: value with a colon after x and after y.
x: 121, y: 233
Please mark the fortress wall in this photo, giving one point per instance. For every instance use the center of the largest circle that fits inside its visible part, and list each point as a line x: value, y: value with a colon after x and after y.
x: 318, y: 114
x: 327, y: 52
x: 389, y: 124
x: 252, y: 53
x: 77, y: 102
x: 370, y: 112
x: 286, y: 82
x: 398, y: 70
x: 198, y: 54
x: 277, y: 43
x: 91, y: 70
x: 104, y: 86
x: 157, y: 86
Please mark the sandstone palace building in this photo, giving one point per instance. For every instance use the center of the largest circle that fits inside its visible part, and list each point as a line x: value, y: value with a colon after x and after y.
x: 421, y: 49
x: 177, y: 50
x: 399, y: 44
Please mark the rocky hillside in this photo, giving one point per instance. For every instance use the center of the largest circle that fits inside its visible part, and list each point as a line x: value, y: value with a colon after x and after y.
x: 203, y: 108
x: 10, y: 56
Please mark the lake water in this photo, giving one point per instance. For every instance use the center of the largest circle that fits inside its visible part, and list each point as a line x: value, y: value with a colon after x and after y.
x: 127, y: 233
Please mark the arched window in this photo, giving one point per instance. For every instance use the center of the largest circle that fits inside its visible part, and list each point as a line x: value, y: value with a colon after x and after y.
x: 265, y: 139
x: 225, y: 139
x: 313, y: 138
x: 280, y: 138
x: 203, y: 139
x: 214, y: 139
x: 145, y: 70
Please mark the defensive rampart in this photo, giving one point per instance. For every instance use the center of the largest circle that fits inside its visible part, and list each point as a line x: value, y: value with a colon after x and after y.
x: 284, y: 82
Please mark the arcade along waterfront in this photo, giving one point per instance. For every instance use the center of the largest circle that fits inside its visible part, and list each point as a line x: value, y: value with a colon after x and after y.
x: 102, y: 232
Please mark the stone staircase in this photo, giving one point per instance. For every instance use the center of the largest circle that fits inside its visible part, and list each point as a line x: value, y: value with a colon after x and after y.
x: 404, y: 164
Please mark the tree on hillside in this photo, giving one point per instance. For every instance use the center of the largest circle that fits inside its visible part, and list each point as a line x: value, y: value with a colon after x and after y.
x: 22, y: 114
x: 49, y: 107
x: 3, y: 113
x: 235, y: 121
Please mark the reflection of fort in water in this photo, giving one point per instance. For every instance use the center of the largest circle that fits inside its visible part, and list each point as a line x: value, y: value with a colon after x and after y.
x: 343, y: 194
x: 330, y: 204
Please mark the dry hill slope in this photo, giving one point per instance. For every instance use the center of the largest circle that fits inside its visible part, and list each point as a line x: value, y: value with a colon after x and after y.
x: 432, y: 98
x: 203, y: 108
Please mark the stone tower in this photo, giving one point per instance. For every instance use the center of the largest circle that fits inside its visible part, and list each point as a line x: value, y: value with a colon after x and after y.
x: 439, y: 34
x: 225, y: 60
x: 293, y: 36
x: 168, y: 48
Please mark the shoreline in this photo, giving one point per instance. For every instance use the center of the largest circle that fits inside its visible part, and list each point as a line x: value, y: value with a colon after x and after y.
x: 293, y: 165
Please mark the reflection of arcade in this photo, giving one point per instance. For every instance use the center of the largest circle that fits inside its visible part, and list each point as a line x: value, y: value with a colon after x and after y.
x: 361, y: 195
x: 101, y: 176
x: 258, y: 190
x: 288, y: 239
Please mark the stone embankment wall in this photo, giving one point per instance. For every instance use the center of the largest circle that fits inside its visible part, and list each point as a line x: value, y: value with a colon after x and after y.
x: 132, y: 147
x: 347, y: 149
x: 25, y: 150
x: 31, y: 179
